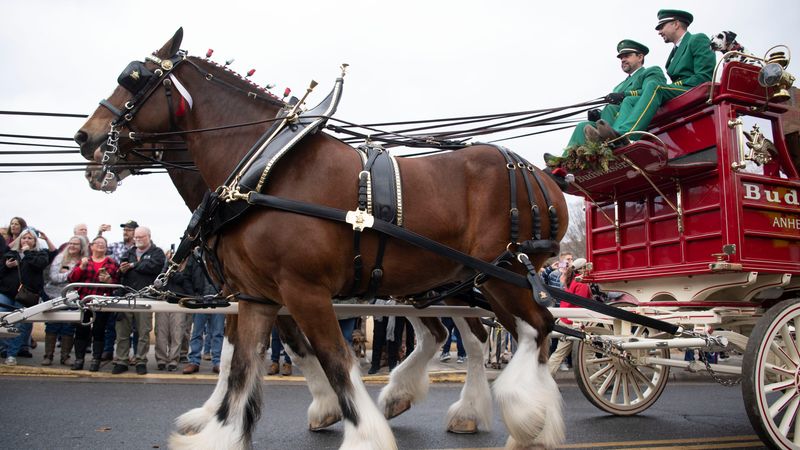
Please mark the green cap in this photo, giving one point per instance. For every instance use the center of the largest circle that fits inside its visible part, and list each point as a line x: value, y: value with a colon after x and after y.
x: 631, y: 46
x: 668, y: 15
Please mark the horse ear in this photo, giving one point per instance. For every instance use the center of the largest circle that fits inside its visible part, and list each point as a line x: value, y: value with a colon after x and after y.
x: 172, y: 46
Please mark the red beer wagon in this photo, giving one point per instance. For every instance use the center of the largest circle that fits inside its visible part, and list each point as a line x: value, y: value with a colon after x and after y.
x: 698, y: 223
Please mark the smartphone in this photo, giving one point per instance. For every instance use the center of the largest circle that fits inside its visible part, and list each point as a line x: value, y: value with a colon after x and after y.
x: 562, y: 265
x: 172, y: 248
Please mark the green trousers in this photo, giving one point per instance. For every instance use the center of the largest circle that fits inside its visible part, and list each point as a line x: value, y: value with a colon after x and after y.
x: 637, y: 114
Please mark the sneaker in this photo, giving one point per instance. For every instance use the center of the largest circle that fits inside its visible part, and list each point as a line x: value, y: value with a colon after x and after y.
x: 444, y: 357
x: 372, y: 371
x: 286, y: 369
x: 172, y: 368
x: 11, y: 361
x: 190, y: 369
x: 563, y: 367
x: 460, y: 360
x: 141, y: 369
x: 106, y: 356
x: 274, y: 368
x: 161, y: 366
x: 24, y: 354
x: 215, y: 369
x: 118, y: 369
x: 95, y: 365
x: 207, y: 356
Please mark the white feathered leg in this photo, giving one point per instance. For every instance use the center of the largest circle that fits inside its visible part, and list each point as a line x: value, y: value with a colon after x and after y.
x: 196, y: 419
x: 408, y: 382
x: 372, y: 431
x: 324, y: 409
x: 474, y: 407
x: 528, y: 397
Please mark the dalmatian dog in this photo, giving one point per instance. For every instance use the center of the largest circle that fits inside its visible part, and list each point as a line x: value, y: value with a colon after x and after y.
x: 725, y: 41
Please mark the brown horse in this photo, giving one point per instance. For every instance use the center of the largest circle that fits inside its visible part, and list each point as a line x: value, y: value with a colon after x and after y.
x: 408, y: 382
x: 458, y: 199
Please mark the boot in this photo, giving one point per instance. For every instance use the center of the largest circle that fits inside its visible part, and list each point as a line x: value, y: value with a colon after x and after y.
x: 66, y: 348
x: 80, y: 352
x: 49, y: 348
x: 97, y: 354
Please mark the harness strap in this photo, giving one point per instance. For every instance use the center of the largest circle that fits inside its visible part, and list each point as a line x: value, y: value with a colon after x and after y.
x: 513, y: 211
x: 335, y: 214
x: 536, y: 220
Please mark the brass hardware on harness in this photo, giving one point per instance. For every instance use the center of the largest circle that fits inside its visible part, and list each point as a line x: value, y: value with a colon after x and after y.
x: 359, y: 219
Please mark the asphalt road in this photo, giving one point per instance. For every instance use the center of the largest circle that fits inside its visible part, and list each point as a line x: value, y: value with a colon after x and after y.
x: 53, y: 413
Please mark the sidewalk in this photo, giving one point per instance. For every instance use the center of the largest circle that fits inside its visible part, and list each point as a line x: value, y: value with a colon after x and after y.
x: 439, y: 372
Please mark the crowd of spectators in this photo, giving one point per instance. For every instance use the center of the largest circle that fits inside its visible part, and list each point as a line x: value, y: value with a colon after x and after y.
x: 33, y: 261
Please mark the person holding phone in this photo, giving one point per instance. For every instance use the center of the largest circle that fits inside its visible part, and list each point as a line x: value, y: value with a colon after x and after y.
x: 23, y: 265
x: 96, y: 268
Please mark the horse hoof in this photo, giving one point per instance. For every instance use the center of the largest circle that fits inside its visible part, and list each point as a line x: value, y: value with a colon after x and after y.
x: 462, y: 426
x: 396, y: 408
x: 324, y: 423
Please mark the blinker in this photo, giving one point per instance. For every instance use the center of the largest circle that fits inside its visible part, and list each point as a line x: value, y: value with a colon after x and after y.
x: 135, y: 77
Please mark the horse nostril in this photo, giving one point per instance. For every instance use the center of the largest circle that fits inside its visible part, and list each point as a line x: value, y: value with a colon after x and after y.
x: 81, y: 137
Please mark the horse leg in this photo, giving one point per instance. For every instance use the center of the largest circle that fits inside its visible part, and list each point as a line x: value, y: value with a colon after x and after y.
x: 526, y: 393
x: 192, y: 421
x: 474, y: 407
x: 364, y: 426
x: 235, y: 418
x: 408, y: 382
x: 324, y: 410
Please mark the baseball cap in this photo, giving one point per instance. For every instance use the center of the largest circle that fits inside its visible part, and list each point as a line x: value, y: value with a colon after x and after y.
x: 579, y: 263
x: 129, y: 224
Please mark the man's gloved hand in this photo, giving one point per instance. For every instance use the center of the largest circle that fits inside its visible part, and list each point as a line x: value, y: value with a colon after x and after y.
x: 615, y: 98
x: 593, y: 115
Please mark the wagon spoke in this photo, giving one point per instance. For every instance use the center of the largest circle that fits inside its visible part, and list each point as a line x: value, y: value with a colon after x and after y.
x: 789, y: 416
x: 781, y: 354
x: 615, y: 389
x: 601, y: 372
x: 778, y: 406
x: 607, y: 382
x: 644, y: 379
x: 635, y: 384
x: 626, y: 396
x: 598, y: 360
x: 796, y: 438
x: 788, y: 342
x: 779, y: 386
x: 779, y: 371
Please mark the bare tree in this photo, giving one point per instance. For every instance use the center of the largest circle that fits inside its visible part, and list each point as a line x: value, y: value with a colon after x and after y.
x: 575, y: 239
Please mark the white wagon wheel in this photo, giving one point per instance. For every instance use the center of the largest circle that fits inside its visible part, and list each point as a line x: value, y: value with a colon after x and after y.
x: 615, y: 385
x: 771, y: 376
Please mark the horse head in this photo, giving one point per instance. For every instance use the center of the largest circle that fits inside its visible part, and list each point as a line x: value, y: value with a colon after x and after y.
x: 130, y: 106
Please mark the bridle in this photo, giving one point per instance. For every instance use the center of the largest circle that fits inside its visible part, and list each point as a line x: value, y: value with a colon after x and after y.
x: 142, y: 83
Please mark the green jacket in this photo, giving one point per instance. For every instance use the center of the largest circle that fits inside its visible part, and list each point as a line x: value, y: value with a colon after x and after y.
x: 692, y: 63
x: 632, y: 85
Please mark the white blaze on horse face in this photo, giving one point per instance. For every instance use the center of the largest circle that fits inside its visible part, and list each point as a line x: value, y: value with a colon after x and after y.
x: 528, y: 396
x: 475, y: 402
x: 372, y: 432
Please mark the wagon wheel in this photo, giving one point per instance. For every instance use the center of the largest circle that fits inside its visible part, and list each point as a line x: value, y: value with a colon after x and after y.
x: 771, y: 376
x: 615, y: 385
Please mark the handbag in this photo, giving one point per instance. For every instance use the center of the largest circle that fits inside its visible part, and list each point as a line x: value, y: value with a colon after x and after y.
x: 25, y: 296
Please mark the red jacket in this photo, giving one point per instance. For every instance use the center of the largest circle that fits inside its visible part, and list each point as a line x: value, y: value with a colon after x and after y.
x: 89, y: 275
x: 576, y: 288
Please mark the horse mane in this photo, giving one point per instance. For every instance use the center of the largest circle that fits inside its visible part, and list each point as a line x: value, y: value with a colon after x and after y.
x: 231, y: 76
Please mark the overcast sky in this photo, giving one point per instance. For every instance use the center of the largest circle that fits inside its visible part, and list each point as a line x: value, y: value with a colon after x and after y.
x: 408, y: 60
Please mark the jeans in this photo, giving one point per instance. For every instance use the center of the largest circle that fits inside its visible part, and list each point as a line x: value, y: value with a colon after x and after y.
x: 277, y: 348
x: 13, y: 345
x: 347, y: 326
x: 110, y: 333
x: 59, y: 328
x: 451, y: 330
x: 215, y: 326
